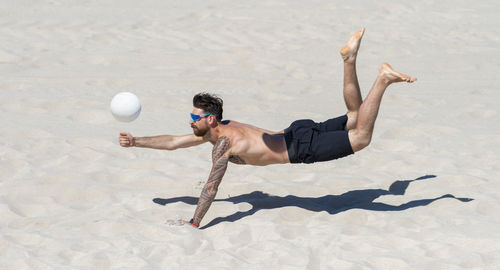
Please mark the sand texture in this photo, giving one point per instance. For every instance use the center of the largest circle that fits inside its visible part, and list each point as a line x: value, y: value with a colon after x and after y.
x: 423, y: 195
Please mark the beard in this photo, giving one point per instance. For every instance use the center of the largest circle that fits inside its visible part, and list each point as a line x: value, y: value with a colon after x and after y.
x: 198, y: 132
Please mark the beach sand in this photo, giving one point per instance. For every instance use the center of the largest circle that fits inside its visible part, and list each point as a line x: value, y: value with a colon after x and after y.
x: 423, y: 195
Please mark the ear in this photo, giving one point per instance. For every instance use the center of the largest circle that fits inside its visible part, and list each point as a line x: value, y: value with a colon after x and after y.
x: 212, y: 121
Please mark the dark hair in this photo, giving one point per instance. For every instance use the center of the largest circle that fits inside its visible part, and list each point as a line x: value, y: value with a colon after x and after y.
x: 209, y: 103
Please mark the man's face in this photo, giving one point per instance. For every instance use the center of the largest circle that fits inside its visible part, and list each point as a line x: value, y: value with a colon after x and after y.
x: 200, y: 127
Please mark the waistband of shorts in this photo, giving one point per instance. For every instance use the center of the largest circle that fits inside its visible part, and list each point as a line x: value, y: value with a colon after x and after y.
x: 290, y: 146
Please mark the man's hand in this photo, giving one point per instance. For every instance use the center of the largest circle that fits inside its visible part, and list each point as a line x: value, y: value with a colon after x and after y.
x: 191, y: 224
x: 126, y: 139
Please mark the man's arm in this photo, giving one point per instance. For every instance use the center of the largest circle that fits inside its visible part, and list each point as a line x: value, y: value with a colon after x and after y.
x: 164, y: 142
x: 220, y: 157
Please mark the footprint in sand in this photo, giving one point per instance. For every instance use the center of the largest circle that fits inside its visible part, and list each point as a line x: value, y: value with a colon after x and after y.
x: 175, y: 222
x: 200, y: 185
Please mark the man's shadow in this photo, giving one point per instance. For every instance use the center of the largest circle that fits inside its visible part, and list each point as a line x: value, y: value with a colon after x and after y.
x: 333, y: 204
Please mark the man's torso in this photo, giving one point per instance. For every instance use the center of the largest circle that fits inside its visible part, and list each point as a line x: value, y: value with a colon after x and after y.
x: 254, y: 146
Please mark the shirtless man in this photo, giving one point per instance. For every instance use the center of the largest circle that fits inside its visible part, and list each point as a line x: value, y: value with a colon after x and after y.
x: 303, y: 142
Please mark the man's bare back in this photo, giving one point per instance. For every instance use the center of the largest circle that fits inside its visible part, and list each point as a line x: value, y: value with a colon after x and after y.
x: 304, y: 141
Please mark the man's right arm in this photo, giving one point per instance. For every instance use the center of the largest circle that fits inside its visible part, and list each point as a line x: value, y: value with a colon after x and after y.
x: 164, y: 142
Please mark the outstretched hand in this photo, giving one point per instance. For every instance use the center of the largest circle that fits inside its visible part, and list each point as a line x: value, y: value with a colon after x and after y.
x: 126, y: 139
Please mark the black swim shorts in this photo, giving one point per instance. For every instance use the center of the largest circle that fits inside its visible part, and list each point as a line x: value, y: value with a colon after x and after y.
x: 309, y: 142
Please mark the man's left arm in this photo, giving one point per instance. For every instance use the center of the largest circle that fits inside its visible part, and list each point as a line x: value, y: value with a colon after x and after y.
x: 220, y: 158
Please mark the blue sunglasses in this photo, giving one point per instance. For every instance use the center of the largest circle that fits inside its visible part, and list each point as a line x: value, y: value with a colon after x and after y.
x: 197, y: 117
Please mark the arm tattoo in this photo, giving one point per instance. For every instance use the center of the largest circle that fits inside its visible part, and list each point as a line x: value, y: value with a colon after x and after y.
x: 220, y: 158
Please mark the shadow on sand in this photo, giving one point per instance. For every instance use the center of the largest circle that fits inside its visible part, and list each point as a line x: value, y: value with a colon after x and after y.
x: 333, y: 204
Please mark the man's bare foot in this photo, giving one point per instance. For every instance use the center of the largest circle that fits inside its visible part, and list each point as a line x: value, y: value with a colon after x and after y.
x: 350, y: 49
x: 391, y: 76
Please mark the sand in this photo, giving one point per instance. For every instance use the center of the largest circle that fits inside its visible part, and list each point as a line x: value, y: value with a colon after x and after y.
x: 423, y: 195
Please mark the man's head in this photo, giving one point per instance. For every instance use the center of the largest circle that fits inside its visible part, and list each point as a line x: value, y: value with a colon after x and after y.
x: 207, y: 113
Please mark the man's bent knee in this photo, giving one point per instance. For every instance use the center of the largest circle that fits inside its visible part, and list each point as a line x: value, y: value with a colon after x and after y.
x: 359, y: 140
x: 352, y: 117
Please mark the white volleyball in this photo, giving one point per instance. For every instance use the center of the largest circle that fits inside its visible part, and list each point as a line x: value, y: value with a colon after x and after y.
x: 125, y: 107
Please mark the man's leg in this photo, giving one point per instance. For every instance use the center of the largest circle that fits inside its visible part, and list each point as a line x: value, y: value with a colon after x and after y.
x: 352, y: 93
x: 361, y: 136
